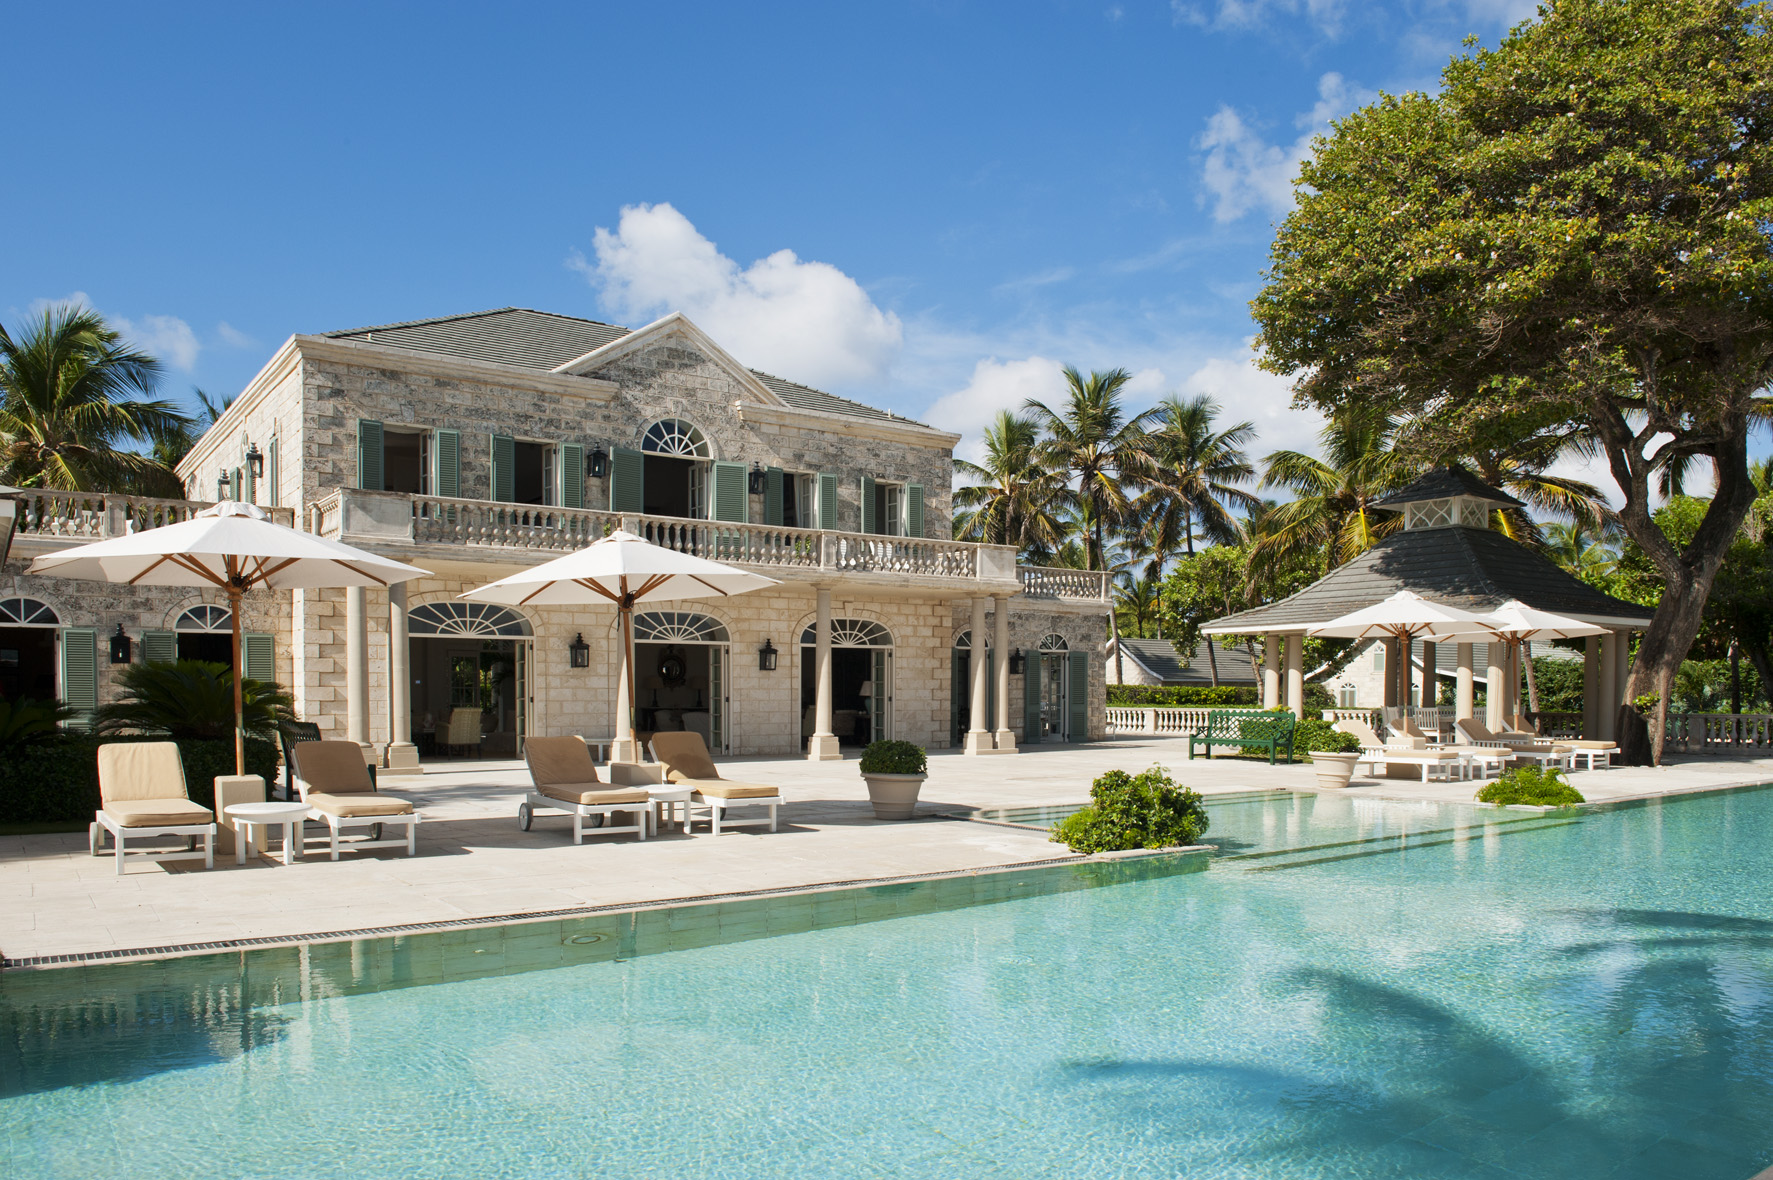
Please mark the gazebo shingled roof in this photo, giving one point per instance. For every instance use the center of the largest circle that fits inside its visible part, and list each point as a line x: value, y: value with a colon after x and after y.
x: 1443, y: 483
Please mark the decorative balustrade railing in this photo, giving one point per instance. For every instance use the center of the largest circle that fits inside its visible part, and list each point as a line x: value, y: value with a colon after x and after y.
x: 1557, y: 723
x: 1044, y: 581
x: 92, y: 516
x: 1719, y: 733
x: 448, y: 520
x: 751, y: 544
x: 862, y: 553
x: 1176, y: 722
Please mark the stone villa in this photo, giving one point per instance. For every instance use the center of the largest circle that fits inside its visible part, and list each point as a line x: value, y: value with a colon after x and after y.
x: 477, y: 444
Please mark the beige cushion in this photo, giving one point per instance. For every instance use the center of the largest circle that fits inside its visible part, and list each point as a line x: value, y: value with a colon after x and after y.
x: 685, y: 756
x: 141, y: 770
x: 1392, y: 755
x: 1362, y: 732
x: 721, y: 789
x: 1585, y: 744
x: 156, y: 813
x: 355, y: 806
x: 590, y: 795
x: 337, y: 768
x: 559, y: 760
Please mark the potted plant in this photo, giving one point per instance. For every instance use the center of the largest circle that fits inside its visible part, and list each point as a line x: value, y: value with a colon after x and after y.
x: 1333, y: 753
x: 894, y: 772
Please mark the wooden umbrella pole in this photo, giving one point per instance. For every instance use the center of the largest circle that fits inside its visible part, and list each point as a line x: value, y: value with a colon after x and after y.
x: 628, y: 647
x: 239, y: 694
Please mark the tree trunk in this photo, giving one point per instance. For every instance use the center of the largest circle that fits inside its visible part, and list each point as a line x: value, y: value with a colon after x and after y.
x: 1188, y: 527
x: 1532, y: 681
x: 1212, y: 663
x: 1759, y: 658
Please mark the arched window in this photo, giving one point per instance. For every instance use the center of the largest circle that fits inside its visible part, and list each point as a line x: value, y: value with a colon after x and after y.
x: 1052, y: 642
x: 965, y: 641
x: 27, y: 612
x: 205, y: 619
x: 471, y: 620
x: 674, y: 437
x: 671, y: 626
x: 850, y: 633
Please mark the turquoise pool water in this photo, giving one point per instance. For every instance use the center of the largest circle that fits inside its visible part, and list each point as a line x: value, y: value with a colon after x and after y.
x: 1356, y: 989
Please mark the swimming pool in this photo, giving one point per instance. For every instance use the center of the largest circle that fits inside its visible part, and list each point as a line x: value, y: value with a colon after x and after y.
x: 1355, y: 989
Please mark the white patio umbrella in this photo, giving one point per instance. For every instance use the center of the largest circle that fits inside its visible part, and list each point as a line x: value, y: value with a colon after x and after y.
x: 1515, y: 621
x: 1406, y: 616
x: 621, y: 569
x: 235, y: 547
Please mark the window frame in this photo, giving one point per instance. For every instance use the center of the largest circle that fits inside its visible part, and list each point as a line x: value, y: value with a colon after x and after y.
x: 427, y: 455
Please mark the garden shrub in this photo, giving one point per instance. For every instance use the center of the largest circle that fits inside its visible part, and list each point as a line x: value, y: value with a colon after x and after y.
x: 1314, y: 734
x: 57, y: 781
x: 1226, y: 696
x: 1533, y: 785
x: 1146, y: 810
x: 894, y: 758
x: 27, y: 722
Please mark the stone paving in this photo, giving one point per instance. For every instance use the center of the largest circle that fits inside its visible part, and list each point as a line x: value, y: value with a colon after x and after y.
x: 474, y: 862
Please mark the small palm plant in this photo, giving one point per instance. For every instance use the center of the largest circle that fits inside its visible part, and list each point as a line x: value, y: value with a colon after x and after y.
x: 28, y: 723
x: 191, y: 699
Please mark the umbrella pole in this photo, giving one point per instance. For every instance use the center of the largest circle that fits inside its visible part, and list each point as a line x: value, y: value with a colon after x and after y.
x: 239, y: 695
x: 628, y: 659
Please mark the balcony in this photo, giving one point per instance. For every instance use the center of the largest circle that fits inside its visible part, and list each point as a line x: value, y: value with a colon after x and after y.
x: 487, y: 530
x: 49, y: 521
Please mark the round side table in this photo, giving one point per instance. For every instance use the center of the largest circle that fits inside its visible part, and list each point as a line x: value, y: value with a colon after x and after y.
x: 246, y: 816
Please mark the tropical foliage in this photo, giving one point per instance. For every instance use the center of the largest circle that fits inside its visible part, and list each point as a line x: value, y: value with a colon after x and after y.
x: 1146, y: 810
x: 190, y: 699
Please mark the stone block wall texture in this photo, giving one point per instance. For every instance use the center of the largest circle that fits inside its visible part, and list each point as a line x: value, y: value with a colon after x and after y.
x: 273, y: 414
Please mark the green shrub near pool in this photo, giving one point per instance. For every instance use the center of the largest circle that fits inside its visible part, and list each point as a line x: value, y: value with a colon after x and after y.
x: 1145, y: 810
x: 1532, y: 786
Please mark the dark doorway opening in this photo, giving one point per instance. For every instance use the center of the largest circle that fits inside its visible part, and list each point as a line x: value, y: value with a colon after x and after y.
x: 215, y: 646
x: 27, y: 663
x: 667, y: 486
x: 530, y: 474
x: 852, y: 715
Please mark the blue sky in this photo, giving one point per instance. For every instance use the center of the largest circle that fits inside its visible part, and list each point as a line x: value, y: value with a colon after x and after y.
x: 928, y: 206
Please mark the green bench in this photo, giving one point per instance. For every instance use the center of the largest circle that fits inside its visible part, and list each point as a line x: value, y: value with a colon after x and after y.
x: 1257, y: 730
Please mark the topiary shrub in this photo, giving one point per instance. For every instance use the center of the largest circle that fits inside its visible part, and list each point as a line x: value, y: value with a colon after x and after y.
x: 1146, y: 810
x: 1535, y: 786
x: 894, y: 758
x: 1315, y: 735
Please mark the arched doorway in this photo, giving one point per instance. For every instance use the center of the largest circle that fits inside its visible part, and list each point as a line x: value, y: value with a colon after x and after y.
x: 28, y: 629
x: 861, y: 681
x: 682, y: 661
x: 470, y: 655
x: 675, y: 470
x: 960, y: 710
x: 205, y: 632
x: 1047, y: 712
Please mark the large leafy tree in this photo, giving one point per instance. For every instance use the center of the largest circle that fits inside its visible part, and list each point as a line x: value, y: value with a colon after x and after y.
x: 1197, y: 470
x: 1571, y: 240
x: 1332, y: 511
x: 1091, y: 438
x: 1014, y: 499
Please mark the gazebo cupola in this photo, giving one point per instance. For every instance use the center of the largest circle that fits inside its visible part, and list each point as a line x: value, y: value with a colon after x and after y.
x: 1446, y: 497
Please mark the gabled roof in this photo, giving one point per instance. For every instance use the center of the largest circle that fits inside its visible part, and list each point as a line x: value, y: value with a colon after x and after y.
x: 1473, y: 569
x: 1443, y: 483
x: 804, y: 397
x: 1158, y: 657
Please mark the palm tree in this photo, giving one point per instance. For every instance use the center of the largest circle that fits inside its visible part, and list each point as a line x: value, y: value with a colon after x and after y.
x: 1138, y: 599
x: 72, y: 396
x: 1555, y: 496
x: 1579, y: 550
x: 1194, y: 485
x: 1092, y: 440
x: 168, y: 451
x: 1015, y: 500
x: 1332, y: 511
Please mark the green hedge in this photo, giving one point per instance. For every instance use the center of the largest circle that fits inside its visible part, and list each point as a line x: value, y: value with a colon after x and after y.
x: 1147, y: 810
x: 57, y: 781
x: 1176, y: 696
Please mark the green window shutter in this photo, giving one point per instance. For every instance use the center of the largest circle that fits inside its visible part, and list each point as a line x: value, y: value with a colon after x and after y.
x: 772, y: 495
x: 868, y: 523
x: 731, y: 502
x: 446, y: 446
x: 80, y: 670
x: 504, y: 468
x: 1031, y: 697
x: 914, y: 510
x: 1077, y: 695
x: 572, y: 475
x: 257, y: 657
x: 159, y: 647
x: 828, y: 501
x: 627, y: 480
x: 276, y: 471
x: 369, y: 455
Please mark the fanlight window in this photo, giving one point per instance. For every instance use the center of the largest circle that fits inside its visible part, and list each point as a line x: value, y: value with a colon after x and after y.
x: 965, y: 642
x: 1052, y: 642
x: 472, y: 620
x: 206, y: 619
x: 27, y: 612
x: 672, y: 436
x: 670, y: 626
x: 850, y: 633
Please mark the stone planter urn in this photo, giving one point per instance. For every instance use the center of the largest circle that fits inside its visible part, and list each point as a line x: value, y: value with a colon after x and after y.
x: 894, y: 772
x: 1333, y: 770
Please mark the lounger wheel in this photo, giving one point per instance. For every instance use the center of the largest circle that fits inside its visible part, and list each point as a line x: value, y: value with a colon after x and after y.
x: 524, y: 816
x: 375, y: 831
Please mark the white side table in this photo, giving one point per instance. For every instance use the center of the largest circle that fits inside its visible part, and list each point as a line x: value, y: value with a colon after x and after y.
x: 667, y: 794
x: 244, y: 816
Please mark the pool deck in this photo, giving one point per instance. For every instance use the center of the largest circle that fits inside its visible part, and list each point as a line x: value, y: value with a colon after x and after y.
x: 474, y: 863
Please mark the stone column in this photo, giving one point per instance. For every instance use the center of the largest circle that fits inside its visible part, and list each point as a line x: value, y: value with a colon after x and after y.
x: 1296, y: 675
x: 978, y: 737
x: 823, y: 746
x: 1496, y: 691
x: 357, y: 669
x: 1005, y: 737
x: 1463, y: 695
x: 621, y: 750
x: 1431, y: 677
x: 1271, y: 672
x: 402, y: 756
x: 1591, y: 687
x: 1390, y: 646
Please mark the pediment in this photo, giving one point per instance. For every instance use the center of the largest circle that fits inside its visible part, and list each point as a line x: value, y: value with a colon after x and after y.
x: 674, y: 328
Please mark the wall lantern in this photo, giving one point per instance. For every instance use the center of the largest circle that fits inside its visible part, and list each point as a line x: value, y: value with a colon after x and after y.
x: 1016, y: 662
x: 758, y: 479
x: 120, y: 646
x: 766, y: 657
x: 596, y: 463
x: 222, y: 484
x: 255, y: 461
x: 581, y: 651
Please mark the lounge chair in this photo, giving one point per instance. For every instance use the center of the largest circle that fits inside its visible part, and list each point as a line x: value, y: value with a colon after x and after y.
x: 1408, y: 735
x: 334, y: 782
x: 566, y: 780
x: 1403, y: 751
x: 142, y: 793
x: 685, y: 758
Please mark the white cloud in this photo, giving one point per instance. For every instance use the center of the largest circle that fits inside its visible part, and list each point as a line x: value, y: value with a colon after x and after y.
x: 996, y: 385
x: 1243, y: 171
x: 1246, y: 393
x: 806, y: 321
x: 164, y: 336
x: 1249, y: 14
x: 1507, y: 13
x: 233, y: 337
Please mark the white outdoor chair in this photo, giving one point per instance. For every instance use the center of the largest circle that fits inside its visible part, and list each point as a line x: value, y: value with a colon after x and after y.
x: 142, y: 793
x: 566, y: 780
x: 333, y: 780
x: 686, y: 761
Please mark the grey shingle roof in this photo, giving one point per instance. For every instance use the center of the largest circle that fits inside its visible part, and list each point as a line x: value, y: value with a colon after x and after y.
x: 1160, y: 659
x: 1474, y: 569
x: 544, y: 341
x: 1443, y: 483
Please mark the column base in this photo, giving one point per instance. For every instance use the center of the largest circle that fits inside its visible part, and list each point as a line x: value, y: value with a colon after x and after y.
x: 1006, y: 741
x: 401, y: 760
x: 823, y: 747
x: 978, y: 741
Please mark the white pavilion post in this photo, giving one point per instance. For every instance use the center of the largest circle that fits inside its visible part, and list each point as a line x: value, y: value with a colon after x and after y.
x: 1496, y: 690
x: 1271, y: 671
x: 1463, y: 696
x: 1296, y: 675
x: 1591, y: 687
x: 1005, y: 737
x: 823, y: 746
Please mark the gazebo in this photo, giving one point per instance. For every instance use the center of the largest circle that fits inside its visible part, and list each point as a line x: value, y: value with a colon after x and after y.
x: 1447, y: 552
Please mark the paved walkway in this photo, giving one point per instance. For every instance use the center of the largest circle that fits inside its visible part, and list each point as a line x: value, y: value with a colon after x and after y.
x: 473, y: 861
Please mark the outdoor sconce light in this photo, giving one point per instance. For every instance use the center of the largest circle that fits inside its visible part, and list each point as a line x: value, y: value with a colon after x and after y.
x: 222, y: 484
x: 758, y: 479
x: 120, y: 646
x: 766, y: 657
x: 255, y: 461
x: 581, y: 651
x: 596, y: 463
x: 1016, y: 662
